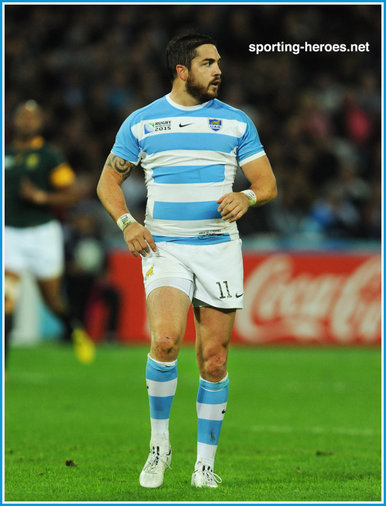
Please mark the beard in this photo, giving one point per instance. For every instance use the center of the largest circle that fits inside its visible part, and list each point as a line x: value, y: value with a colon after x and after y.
x: 200, y: 92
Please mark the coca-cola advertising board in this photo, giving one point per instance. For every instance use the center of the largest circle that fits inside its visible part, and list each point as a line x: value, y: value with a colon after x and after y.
x: 314, y: 298
x: 288, y: 298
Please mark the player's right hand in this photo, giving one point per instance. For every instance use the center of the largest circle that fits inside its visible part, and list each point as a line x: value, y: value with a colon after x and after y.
x: 138, y: 239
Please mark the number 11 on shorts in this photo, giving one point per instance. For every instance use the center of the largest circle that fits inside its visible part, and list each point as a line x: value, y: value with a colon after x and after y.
x: 226, y: 288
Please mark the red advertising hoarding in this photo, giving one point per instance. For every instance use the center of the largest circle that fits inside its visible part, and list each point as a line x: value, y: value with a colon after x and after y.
x: 326, y: 298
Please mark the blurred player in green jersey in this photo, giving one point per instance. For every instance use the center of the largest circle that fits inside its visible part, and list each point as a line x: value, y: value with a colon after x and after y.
x: 37, y: 177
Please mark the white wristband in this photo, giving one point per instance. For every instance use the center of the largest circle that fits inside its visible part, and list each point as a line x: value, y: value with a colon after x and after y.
x: 125, y: 220
x: 251, y: 197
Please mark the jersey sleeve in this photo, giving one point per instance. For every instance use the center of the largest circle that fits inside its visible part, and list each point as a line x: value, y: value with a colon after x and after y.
x: 61, y: 174
x: 126, y: 144
x: 250, y: 146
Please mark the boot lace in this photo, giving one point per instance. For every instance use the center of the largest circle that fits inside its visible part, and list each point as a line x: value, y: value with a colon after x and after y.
x: 210, y: 476
x: 154, y: 459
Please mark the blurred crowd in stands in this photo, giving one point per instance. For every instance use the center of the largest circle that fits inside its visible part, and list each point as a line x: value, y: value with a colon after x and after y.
x: 318, y: 114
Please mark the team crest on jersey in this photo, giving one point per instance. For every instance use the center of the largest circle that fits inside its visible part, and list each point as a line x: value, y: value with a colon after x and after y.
x: 32, y: 161
x: 215, y: 124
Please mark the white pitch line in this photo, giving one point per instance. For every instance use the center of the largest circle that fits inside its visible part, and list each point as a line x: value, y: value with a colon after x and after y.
x: 347, y: 431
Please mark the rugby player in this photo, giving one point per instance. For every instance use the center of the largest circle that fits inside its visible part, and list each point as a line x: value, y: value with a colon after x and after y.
x: 189, y: 145
x: 37, y: 177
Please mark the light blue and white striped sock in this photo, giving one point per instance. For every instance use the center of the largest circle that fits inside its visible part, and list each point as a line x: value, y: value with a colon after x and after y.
x: 161, y: 382
x: 211, y: 406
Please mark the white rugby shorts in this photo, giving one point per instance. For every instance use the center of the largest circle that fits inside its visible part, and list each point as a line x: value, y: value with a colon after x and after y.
x: 38, y: 250
x: 210, y: 275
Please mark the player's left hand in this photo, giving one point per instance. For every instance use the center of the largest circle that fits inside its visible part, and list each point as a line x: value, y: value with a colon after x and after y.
x: 233, y: 206
x: 32, y: 193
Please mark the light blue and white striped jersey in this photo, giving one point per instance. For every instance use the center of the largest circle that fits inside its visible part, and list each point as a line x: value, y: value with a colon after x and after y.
x: 190, y: 156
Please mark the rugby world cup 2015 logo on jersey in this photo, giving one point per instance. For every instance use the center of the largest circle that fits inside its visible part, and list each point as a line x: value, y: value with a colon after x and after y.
x: 157, y: 126
x: 215, y: 124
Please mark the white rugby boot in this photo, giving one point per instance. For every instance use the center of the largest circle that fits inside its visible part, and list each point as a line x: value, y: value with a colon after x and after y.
x: 152, y: 474
x: 204, y: 476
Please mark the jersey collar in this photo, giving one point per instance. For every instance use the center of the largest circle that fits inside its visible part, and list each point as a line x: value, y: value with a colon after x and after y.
x: 185, y: 107
x: 35, y: 143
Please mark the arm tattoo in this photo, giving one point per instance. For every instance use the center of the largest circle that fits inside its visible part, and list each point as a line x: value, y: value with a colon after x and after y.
x: 123, y: 167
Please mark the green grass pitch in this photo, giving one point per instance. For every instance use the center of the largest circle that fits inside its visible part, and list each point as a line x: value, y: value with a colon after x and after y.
x: 303, y: 424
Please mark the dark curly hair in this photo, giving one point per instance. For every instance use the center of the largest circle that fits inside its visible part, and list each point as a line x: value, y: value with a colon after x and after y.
x: 182, y: 49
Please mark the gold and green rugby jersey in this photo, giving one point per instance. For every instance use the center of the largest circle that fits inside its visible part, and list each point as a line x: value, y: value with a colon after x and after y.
x: 46, y: 168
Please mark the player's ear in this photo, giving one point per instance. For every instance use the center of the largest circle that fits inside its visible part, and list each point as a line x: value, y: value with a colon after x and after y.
x: 182, y: 72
